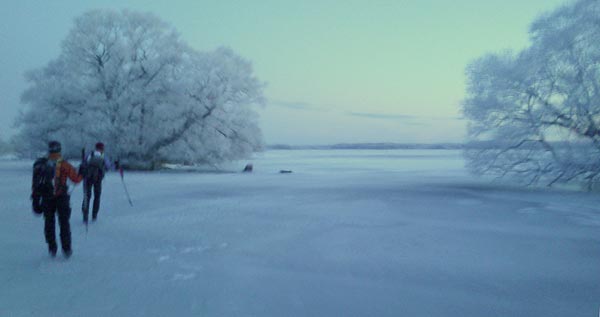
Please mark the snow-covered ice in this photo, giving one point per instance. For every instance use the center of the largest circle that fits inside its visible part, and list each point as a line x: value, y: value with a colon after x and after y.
x: 348, y: 233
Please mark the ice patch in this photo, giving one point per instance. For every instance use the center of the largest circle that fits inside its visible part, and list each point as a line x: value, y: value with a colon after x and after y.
x: 370, y: 238
x: 558, y: 207
x: 469, y: 202
x: 183, y: 276
x: 579, y: 213
x: 163, y: 258
x: 201, y: 249
x: 198, y: 249
x: 528, y: 210
x: 587, y: 220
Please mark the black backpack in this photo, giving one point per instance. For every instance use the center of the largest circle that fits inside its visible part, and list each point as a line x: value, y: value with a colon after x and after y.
x: 42, y: 182
x: 95, y: 168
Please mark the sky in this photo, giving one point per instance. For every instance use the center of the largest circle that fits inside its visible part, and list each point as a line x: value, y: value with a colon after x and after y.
x: 335, y: 71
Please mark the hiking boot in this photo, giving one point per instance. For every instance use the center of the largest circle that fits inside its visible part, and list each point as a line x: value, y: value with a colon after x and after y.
x: 67, y: 253
x: 52, y: 251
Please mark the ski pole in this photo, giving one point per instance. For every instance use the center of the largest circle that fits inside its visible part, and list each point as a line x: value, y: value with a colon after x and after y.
x: 125, y: 187
x: 84, y: 204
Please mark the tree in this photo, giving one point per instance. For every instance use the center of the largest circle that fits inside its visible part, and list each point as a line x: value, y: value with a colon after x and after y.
x: 539, y: 109
x: 3, y: 146
x: 128, y: 79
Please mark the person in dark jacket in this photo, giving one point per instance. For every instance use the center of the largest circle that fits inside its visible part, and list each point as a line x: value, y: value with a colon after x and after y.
x: 96, y: 166
x: 58, y: 203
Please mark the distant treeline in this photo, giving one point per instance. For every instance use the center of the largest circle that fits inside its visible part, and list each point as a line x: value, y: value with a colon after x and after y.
x: 370, y: 146
x: 411, y: 146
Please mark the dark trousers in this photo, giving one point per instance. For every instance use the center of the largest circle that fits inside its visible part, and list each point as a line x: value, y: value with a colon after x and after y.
x: 57, y: 206
x: 97, y: 187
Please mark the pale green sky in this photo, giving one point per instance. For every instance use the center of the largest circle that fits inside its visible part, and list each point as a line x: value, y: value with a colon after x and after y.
x: 337, y: 71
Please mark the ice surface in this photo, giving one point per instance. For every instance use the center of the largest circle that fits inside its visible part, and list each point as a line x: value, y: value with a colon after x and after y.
x: 348, y: 233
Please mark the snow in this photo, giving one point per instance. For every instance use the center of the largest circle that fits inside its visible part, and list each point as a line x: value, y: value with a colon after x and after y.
x: 348, y: 233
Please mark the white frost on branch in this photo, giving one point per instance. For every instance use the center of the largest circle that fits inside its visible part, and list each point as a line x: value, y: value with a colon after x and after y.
x: 126, y: 78
x: 539, y: 109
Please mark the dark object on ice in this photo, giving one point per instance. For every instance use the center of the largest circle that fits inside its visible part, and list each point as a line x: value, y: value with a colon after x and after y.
x: 285, y: 172
x: 248, y: 168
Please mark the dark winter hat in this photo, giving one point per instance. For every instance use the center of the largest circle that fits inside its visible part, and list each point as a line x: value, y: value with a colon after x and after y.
x: 100, y: 146
x: 54, y: 147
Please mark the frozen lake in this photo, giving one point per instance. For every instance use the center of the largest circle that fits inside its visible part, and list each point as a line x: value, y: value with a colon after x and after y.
x: 348, y: 233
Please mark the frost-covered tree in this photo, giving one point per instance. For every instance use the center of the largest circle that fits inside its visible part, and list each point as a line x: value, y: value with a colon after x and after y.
x: 126, y: 78
x: 4, y: 148
x: 539, y: 109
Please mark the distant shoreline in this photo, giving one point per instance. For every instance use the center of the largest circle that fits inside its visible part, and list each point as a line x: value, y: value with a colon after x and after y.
x: 475, y: 145
x: 370, y: 146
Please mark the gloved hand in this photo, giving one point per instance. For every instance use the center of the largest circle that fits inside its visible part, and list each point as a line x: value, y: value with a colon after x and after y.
x: 81, y: 170
x: 36, y: 204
